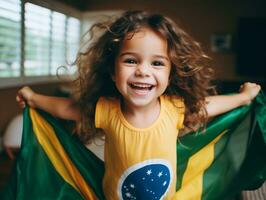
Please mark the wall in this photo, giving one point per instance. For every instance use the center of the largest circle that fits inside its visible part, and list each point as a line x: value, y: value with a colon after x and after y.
x: 201, y: 18
x: 9, y: 107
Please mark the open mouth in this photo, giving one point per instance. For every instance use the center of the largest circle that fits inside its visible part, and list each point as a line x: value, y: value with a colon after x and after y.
x: 141, y: 86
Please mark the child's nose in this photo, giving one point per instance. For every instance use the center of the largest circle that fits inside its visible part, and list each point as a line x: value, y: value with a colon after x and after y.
x: 142, y: 70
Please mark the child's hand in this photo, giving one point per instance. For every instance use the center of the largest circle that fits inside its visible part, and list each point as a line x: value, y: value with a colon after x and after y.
x: 250, y: 91
x: 25, y: 96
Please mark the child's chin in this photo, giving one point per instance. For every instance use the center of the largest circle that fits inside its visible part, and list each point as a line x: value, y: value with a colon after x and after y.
x: 141, y: 101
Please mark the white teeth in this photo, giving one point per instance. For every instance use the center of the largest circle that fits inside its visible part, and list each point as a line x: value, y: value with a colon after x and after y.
x: 141, y: 85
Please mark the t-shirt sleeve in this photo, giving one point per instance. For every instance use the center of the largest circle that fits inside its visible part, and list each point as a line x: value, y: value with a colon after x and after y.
x: 180, y: 113
x: 101, y: 113
x: 176, y: 110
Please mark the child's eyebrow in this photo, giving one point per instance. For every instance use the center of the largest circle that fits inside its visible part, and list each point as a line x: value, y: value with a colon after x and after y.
x: 128, y: 53
x: 135, y: 54
x: 161, y: 56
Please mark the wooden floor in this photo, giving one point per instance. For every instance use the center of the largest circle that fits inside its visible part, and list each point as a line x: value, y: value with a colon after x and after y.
x: 259, y: 194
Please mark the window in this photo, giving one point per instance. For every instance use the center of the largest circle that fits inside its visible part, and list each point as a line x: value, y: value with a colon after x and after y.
x: 37, y: 40
x: 10, y: 34
x: 73, y: 31
x: 51, y: 40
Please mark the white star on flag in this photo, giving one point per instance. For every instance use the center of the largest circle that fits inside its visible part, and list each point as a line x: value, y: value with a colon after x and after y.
x: 149, y: 172
x: 160, y: 174
x: 164, y: 183
x: 128, y: 194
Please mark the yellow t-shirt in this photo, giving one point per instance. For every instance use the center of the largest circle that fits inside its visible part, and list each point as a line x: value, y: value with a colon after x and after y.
x: 140, y: 163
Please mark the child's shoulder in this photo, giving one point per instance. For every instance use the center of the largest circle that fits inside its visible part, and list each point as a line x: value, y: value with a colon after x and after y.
x: 106, y: 106
x: 107, y: 101
x: 174, y: 101
x: 175, y: 108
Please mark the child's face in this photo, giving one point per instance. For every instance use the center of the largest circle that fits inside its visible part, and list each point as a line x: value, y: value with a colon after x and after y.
x: 142, y: 68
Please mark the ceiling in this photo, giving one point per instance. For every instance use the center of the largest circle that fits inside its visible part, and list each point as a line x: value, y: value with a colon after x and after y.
x: 79, y: 4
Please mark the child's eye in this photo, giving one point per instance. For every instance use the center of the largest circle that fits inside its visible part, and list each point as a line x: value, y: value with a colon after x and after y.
x: 130, y: 61
x: 157, y: 63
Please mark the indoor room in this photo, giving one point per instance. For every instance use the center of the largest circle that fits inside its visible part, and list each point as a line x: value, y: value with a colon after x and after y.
x: 42, y: 43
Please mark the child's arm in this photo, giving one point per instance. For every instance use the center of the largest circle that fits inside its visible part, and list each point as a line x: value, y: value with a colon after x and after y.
x: 63, y: 108
x: 222, y: 103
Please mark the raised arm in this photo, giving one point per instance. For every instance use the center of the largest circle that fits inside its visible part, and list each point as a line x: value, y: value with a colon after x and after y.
x: 222, y: 103
x: 60, y: 107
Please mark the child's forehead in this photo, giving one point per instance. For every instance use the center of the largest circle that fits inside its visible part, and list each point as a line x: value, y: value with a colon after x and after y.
x: 144, y: 38
x: 142, y: 32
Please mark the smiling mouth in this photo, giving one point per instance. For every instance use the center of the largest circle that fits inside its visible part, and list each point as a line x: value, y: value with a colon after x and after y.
x: 141, y: 86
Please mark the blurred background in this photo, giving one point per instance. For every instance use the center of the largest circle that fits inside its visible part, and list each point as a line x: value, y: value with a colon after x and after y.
x: 38, y: 36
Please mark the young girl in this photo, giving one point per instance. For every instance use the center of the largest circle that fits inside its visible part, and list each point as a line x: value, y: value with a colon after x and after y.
x: 140, y: 82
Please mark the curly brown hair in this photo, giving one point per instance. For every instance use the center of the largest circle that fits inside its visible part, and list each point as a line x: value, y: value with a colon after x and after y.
x: 189, y: 77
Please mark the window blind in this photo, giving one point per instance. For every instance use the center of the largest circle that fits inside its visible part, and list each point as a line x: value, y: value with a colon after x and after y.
x: 37, y: 40
x: 73, y: 40
x: 10, y: 38
x: 51, y: 40
x: 58, y: 41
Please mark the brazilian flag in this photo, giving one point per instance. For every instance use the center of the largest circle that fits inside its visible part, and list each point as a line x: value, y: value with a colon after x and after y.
x: 226, y: 158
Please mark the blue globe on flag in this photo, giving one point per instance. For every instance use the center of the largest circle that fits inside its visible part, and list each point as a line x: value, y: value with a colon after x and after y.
x: 146, y: 180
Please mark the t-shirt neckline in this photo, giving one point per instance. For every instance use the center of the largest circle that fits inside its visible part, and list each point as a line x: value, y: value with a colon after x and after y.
x: 130, y: 126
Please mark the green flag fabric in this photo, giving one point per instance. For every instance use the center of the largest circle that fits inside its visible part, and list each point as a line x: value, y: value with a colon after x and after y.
x: 217, y: 163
